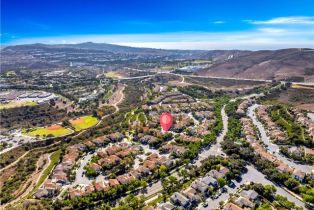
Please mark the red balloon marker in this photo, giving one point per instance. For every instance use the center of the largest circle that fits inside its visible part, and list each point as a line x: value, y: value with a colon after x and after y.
x: 166, y: 121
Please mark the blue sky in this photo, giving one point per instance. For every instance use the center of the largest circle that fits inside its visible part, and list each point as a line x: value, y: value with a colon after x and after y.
x: 193, y: 24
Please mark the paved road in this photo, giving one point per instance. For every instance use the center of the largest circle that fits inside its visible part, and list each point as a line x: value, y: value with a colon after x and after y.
x: 216, y: 148
x: 255, y: 176
x: 252, y: 174
x: 311, y: 116
x: 212, y: 77
x: 79, y: 177
x: 274, y: 148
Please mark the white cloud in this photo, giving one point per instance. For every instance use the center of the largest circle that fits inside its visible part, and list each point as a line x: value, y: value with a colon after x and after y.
x: 255, y: 39
x: 292, y: 20
x: 219, y: 22
x: 272, y: 30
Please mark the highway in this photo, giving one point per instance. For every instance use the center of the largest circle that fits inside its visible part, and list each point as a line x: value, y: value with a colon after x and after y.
x: 208, y: 77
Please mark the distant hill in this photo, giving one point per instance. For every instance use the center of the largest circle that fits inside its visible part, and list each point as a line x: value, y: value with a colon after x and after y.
x: 285, y: 64
x: 118, y: 49
x: 43, y: 56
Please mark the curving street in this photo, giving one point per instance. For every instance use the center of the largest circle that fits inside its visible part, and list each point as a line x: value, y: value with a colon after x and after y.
x: 274, y: 148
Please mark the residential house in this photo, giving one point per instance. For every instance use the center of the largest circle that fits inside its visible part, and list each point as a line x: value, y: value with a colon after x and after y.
x: 113, y: 182
x: 116, y: 136
x: 125, y: 178
x: 73, y: 192
x: 101, y: 141
x: 41, y: 193
x: 250, y: 194
x: 299, y: 175
x: 95, y: 167
x: 231, y: 206
x: 101, y: 186
x: 216, y: 174
x: 179, y: 199
x: 191, y: 194
x: 51, y: 187
x: 167, y: 206
x: 284, y: 168
x: 223, y: 170
x: 200, y: 187
x: 244, y: 202
x: 210, y: 181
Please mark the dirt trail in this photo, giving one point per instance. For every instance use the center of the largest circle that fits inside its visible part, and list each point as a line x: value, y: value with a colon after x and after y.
x: 15, y: 162
x: 42, y: 163
x: 117, y: 98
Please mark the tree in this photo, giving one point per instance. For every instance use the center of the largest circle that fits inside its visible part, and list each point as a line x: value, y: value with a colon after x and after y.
x: 162, y: 171
x: 221, y: 181
x: 292, y: 183
x: 283, y: 202
x: 264, y: 206
x: 52, y: 102
x: 269, y: 191
x: 184, y: 173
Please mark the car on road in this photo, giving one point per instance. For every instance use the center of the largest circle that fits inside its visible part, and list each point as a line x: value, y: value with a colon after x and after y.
x: 238, y: 179
x: 205, y: 204
x: 215, y: 196
x: 223, y: 190
x: 231, y: 184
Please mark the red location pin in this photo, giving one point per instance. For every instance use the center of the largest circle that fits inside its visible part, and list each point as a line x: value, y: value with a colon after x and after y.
x: 166, y: 121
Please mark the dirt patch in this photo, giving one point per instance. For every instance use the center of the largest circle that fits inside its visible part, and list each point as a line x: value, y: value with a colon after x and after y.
x: 308, y: 107
x: 295, y: 97
x: 77, y: 121
x: 54, y: 127
x: 6, y: 174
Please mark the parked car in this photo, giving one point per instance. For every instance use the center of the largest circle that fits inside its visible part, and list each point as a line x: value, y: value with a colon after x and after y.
x: 205, y: 204
x: 215, y: 196
x: 238, y: 179
x: 231, y: 184
x: 223, y: 190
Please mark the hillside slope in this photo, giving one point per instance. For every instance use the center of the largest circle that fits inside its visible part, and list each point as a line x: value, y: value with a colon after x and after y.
x: 286, y: 64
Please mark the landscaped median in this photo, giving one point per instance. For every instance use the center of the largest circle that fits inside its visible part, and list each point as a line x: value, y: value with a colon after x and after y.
x: 84, y: 122
x: 50, y: 131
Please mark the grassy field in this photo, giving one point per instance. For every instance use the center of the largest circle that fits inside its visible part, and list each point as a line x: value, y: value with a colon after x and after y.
x: 112, y: 74
x: 84, y: 122
x: 53, y: 131
x: 302, y: 87
x: 15, y: 104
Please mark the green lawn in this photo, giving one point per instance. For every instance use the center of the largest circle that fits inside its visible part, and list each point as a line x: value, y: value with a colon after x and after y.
x: 84, y: 122
x: 44, y: 132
